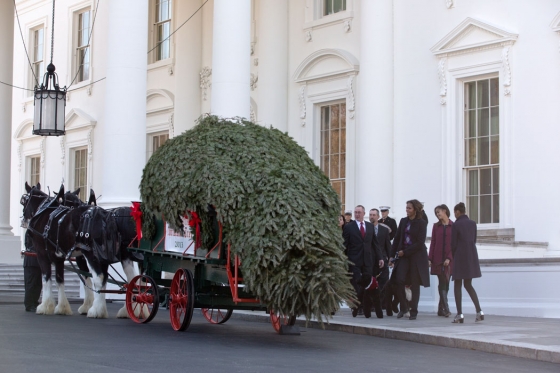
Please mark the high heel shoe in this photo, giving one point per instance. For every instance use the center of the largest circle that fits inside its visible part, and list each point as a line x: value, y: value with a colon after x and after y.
x: 459, y: 318
x: 479, y: 316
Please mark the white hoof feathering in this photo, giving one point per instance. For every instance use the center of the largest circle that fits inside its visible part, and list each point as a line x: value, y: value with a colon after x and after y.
x: 63, y: 309
x: 123, y: 313
x: 46, y: 307
x: 98, y: 311
x: 88, y: 300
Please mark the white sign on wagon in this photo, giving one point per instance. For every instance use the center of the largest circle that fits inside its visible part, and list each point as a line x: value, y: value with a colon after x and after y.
x: 179, y: 241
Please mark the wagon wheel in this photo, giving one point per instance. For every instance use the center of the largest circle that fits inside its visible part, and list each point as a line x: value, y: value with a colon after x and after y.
x: 181, y: 299
x: 217, y: 315
x: 142, y: 299
x: 277, y: 320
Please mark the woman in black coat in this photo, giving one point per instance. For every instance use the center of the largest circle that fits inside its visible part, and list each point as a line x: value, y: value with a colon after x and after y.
x: 411, y: 258
x: 465, y: 261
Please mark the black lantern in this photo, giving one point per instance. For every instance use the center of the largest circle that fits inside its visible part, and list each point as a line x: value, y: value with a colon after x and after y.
x: 50, y: 103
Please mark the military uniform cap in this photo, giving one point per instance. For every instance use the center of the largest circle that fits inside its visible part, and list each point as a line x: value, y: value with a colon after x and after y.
x: 384, y: 208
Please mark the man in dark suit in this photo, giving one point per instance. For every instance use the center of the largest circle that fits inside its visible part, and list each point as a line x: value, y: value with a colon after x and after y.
x: 382, y: 233
x: 362, y: 249
x: 388, y: 221
x: 31, y: 275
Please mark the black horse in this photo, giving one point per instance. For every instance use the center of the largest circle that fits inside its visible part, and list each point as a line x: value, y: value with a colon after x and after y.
x: 65, y: 226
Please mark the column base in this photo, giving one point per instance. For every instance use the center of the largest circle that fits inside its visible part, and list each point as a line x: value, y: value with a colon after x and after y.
x: 10, y: 250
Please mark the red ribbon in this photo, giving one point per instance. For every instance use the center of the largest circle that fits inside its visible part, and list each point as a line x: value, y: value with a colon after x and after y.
x: 137, y: 216
x: 194, y: 221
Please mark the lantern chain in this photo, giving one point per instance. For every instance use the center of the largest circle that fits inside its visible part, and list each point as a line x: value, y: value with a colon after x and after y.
x: 52, y: 32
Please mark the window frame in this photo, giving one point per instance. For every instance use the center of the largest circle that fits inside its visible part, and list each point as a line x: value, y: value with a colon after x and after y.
x: 72, y: 181
x: 323, y: 8
x: 150, y: 142
x: 73, y: 58
x: 29, y: 159
x: 34, y: 61
x: 153, y: 37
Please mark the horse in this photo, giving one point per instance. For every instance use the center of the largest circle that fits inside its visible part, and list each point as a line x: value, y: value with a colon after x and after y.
x: 94, y: 241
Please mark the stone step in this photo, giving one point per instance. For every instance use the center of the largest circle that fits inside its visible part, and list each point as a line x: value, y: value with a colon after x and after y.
x: 12, y: 281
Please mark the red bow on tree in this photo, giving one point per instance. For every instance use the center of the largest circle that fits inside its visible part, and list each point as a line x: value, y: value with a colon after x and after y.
x: 194, y: 221
x: 137, y: 216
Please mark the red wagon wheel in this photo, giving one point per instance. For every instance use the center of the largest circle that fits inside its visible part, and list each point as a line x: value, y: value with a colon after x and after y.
x: 181, y: 299
x: 277, y: 320
x: 217, y: 315
x: 142, y: 299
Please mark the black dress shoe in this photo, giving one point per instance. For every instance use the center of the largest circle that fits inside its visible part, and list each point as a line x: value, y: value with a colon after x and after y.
x: 379, y: 314
x: 412, y: 317
x: 367, y: 314
x: 401, y: 314
x: 360, y: 311
x: 354, y: 312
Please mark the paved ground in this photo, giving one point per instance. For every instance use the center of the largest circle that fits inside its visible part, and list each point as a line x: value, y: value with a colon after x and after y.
x: 33, y: 343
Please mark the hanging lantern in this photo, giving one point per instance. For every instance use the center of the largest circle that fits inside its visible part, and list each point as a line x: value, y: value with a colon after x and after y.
x: 50, y: 104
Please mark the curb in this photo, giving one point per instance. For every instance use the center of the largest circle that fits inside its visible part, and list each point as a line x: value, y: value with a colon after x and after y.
x: 512, y: 349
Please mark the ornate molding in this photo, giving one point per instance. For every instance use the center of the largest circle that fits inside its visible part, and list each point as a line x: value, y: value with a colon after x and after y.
x: 23, y: 106
x: 89, y: 89
x: 205, y: 82
x: 252, y: 48
x: 63, y: 150
x: 442, y: 79
x: 252, y: 115
x: 20, y: 144
x: 256, y: 61
x: 351, y: 99
x: 449, y: 4
x: 347, y: 25
x: 90, y: 144
x: 253, y: 81
x: 171, y: 126
x: 308, y: 36
x: 170, y: 69
x: 507, y: 70
x: 302, y: 108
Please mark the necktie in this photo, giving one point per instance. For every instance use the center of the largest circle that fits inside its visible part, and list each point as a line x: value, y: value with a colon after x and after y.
x: 362, y: 230
x: 376, y: 230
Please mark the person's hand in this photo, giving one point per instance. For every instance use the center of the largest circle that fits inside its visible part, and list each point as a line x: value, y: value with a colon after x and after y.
x: 430, y: 263
x: 381, y: 263
x: 401, y: 254
x: 446, y: 263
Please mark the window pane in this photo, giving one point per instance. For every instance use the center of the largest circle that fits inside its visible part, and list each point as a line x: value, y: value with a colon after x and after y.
x: 473, y: 183
x: 494, y: 121
x: 472, y: 123
x: 483, y: 150
x: 496, y: 208
x: 486, y: 181
x: 482, y: 94
x: 342, y: 115
x: 325, y: 118
x: 471, y: 152
x: 485, y: 209
x: 470, y: 95
x: 328, y: 6
x: 483, y: 122
x: 495, y: 149
x: 327, y: 166
x: 496, y: 180
x: 472, y: 205
x: 325, y: 142
x: 334, y: 174
x: 335, y: 142
x: 335, y: 118
x: 494, y: 92
x: 342, y: 166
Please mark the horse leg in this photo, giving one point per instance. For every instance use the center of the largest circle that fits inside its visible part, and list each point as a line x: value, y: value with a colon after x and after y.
x: 47, y: 300
x: 99, y: 275
x: 63, y: 307
x: 130, y: 272
x: 88, y: 299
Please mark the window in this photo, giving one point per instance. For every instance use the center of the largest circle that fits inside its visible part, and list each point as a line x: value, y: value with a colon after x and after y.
x: 333, y: 147
x: 34, y: 170
x: 482, y: 149
x: 37, y: 56
x: 80, y: 171
x: 333, y: 6
x: 82, y: 46
x: 162, y: 29
x: 156, y: 141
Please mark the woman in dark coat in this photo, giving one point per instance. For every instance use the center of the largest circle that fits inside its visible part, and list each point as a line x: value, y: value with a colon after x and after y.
x: 411, y: 264
x: 440, y: 257
x: 465, y: 257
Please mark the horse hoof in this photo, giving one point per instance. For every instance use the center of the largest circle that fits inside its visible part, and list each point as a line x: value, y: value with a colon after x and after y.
x: 123, y: 313
x: 84, y: 308
x: 97, y: 313
x: 63, y: 310
x: 45, y: 309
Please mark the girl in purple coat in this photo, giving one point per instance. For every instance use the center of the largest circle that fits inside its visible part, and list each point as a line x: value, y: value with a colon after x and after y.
x: 440, y: 258
x: 465, y: 256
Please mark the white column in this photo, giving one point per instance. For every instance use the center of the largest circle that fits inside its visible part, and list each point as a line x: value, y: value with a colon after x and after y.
x: 273, y: 64
x: 124, y: 127
x: 6, y: 71
x: 231, y: 58
x: 188, y: 59
x: 374, y: 111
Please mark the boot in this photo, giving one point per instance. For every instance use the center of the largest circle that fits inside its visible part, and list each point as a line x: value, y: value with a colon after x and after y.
x: 444, y: 303
x: 440, y: 310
